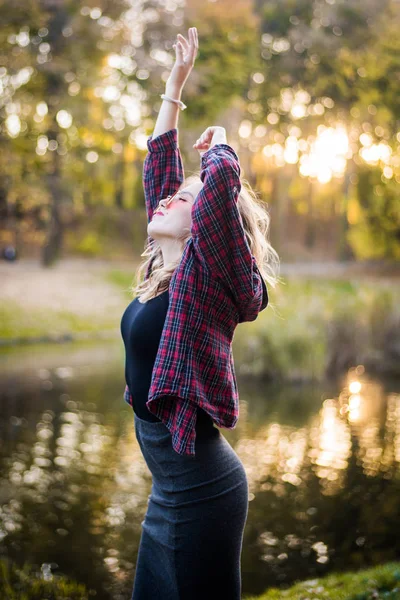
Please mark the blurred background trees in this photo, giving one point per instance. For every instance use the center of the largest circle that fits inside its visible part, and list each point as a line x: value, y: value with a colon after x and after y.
x: 307, y: 90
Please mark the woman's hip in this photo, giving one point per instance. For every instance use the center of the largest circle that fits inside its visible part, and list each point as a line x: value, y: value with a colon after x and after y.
x: 214, y: 474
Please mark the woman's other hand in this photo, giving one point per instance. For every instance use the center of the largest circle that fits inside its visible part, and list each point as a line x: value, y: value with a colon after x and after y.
x: 211, y: 136
x: 185, y: 55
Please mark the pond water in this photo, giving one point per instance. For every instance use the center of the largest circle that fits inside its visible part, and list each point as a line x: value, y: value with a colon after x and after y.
x: 322, y: 462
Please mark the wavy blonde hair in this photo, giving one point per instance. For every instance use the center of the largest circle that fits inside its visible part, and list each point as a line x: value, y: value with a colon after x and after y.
x: 256, y: 223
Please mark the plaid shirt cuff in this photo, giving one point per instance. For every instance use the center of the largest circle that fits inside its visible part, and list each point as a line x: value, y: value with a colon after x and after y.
x: 127, y: 396
x: 164, y: 141
x: 209, y: 153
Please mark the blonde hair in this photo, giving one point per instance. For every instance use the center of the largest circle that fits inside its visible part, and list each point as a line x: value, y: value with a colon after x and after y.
x: 256, y: 222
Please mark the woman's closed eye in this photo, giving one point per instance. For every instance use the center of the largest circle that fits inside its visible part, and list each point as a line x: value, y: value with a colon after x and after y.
x: 180, y: 198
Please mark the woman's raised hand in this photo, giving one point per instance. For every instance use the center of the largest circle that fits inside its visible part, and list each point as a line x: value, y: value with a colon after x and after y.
x: 185, y: 55
x: 211, y: 136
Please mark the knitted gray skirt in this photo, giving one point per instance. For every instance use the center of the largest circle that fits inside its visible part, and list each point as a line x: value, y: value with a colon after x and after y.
x: 192, y: 532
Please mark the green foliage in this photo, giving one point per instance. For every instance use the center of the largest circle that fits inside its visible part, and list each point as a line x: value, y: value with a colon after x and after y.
x: 347, y: 54
x: 344, y: 56
x: 108, y: 233
x: 27, y: 583
x: 380, y: 582
x: 89, y: 245
x: 18, y: 322
x: 376, y: 233
x: 317, y: 327
x: 227, y: 57
x: 122, y: 279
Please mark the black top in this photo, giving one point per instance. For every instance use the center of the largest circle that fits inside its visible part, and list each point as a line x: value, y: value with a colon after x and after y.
x: 141, y: 329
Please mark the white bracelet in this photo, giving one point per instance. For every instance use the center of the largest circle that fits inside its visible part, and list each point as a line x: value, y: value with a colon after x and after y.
x: 178, y: 102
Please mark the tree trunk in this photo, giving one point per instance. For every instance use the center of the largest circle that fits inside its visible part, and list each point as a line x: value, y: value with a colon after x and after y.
x: 52, y: 248
x: 344, y: 251
x: 119, y: 179
x: 55, y: 87
x: 310, y: 226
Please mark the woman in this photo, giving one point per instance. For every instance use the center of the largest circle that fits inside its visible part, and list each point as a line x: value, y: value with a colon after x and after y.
x: 206, y: 236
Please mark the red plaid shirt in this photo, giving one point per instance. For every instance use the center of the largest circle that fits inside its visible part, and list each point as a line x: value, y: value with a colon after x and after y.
x: 216, y: 286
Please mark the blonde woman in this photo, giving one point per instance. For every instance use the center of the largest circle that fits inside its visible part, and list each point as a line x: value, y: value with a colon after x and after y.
x: 205, y: 268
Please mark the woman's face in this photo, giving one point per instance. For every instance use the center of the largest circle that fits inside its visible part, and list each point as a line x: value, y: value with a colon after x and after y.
x: 176, y: 218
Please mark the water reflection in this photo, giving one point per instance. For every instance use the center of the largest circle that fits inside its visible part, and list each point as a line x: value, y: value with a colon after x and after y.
x: 322, y: 465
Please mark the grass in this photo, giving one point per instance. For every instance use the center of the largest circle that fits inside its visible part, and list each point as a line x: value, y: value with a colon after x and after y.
x: 122, y: 279
x: 16, y: 322
x: 312, y: 328
x: 374, y: 583
x: 321, y: 325
x: 380, y: 582
x: 28, y: 583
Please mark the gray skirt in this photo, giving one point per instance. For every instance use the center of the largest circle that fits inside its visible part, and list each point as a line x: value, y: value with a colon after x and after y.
x: 192, y: 533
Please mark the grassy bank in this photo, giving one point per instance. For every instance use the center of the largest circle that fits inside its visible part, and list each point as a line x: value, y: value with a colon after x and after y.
x: 314, y: 327
x: 317, y: 327
x: 30, y: 583
x: 16, y: 323
x: 375, y: 583
x: 72, y: 299
x: 320, y: 328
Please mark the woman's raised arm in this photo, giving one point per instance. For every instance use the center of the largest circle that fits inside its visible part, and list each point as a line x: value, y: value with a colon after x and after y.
x: 185, y: 55
x: 162, y: 168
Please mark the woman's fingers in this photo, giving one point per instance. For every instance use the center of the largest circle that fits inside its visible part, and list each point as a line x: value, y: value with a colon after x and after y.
x: 201, y: 144
x: 184, y: 41
x: 184, y: 45
x: 195, y: 39
x: 185, y: 53
x: 178, y: 50
x: 203, y: 141
x: 188, y: 50
x: 207, y: 137
x: 193, y: 43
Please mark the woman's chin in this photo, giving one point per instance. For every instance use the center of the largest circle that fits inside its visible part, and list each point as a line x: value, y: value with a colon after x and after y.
x: 153, y: 227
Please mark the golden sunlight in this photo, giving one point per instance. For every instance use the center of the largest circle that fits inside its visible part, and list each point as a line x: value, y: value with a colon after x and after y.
x: 323, y: 157
x: 328, y: 154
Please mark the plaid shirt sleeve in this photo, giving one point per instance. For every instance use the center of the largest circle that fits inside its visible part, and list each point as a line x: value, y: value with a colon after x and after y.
x: 163, y: 173
x: 218, y: 234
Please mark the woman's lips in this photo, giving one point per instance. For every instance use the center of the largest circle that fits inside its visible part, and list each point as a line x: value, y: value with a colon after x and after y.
x: 158, y: 214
